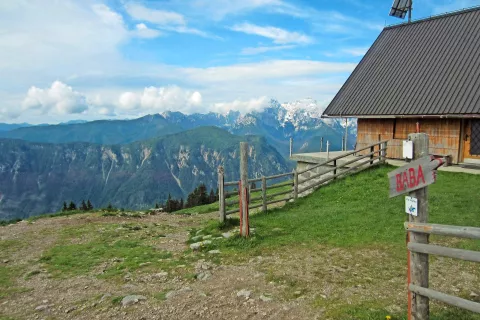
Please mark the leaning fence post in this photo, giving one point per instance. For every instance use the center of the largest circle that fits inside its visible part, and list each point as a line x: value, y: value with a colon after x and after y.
x: 221, y: 193
x: 244, y: 227
x: 420, y: 309
x: 295, y: 184
x: 264, y: 194
x: 372, y: 149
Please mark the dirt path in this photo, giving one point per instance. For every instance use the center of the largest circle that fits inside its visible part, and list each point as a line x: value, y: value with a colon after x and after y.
x: 297, y: 282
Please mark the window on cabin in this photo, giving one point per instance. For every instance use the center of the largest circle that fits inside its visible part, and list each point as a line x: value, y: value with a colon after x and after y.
x: 402, y: 127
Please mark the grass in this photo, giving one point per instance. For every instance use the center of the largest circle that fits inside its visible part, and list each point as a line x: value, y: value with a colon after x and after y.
x: 111, y: 250
x: 356, y: 216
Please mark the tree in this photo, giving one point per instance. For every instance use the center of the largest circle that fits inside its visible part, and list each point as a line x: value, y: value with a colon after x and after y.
x: 84, y: 207
x: 72, y: 206
x: 212, y: 197
x: 65, y: 208
x: 253, y: 185
x: 156, y: 205
x: 169, y: 203
x: 89, y: 205
x: 202, y: 194
x: 181, y: 204
x: 110, y: 207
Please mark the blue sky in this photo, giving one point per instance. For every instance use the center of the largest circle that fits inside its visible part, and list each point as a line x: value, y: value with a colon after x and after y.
x: 94, y: 59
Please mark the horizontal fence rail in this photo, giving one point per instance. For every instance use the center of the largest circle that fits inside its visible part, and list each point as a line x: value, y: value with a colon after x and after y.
x: 445, y: 298
x: 297, y: 183
x: 461, y: 254
x: 443, y: 230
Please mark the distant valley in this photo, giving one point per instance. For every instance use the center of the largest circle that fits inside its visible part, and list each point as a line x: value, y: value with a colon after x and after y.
x: 135, y: 163
x: 36, y: 178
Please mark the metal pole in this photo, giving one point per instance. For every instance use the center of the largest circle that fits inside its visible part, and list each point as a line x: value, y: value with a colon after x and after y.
x: 295, y: 184
x: 346, y: 133
x: 244, y: 227
x: 291, y: 146
x: 221, y: 193
x: 419, y: 261
x: 410, y: 11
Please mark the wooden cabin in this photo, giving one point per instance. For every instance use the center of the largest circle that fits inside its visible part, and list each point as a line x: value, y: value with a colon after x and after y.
x: 424, y: 73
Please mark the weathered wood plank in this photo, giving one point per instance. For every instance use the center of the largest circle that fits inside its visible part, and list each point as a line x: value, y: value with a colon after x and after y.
x: 445, y: 298
x: 264, y: 194
x: 444, y: 230
x: 467, y: 255
x: 244, y: 227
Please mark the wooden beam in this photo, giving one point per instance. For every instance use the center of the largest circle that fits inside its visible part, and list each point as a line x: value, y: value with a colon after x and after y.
x: 445, y: 298
x: 467, y: 255
x: 444, y: 230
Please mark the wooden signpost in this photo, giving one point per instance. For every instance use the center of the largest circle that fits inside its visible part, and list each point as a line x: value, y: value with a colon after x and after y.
x: 414, y: 179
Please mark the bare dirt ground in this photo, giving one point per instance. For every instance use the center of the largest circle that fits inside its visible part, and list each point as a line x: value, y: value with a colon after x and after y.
x: 301, y: 282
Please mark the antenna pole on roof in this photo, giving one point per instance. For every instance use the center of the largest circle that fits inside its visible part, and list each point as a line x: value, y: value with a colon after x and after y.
x: 410, y: 11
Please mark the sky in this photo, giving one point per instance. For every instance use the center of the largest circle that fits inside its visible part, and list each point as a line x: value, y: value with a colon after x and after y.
x: 62, y: 60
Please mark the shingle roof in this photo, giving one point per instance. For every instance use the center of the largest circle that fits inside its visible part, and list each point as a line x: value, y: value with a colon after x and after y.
x: 427, y: 67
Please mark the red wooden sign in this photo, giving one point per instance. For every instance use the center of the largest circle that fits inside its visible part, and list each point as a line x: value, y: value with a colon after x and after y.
x: 413, y: 176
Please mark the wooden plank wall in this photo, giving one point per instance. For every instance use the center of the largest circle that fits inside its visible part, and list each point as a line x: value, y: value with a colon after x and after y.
x: 444, y: 134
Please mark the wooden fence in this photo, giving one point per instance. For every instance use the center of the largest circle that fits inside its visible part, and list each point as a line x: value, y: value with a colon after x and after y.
x: 428, y: 249
x: 300, y: 181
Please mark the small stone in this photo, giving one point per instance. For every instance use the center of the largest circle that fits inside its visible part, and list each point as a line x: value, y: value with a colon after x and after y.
x: 196, y: 246
x: 199, y: 231
x: 297, y: 293
x: 205, y: 242
x: 70, y: 309
x: 170, y: 294
x: 105, y: 296
x: 214, y: 251
x: 197, y: 238
x: 202, y: 276
x: 265, y: 298
x: 41, y: 307
x: 45, y: 301
x: 6, y: 261
x: 129, y: 300
x: 144, y: 264
x: 161, y: 275
x: 207, y: 237
x: 473, y: 295
x: 226, y: 235
x: 244, y: 293
x: 323, y: 296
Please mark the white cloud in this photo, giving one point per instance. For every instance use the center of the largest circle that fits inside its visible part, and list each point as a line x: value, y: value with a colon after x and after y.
x: 257, y: 50
x: 278, y: 35
x: 244, y: 106
x: 159, y: 17
x: 142, y: 31
x: 219, y: 9
x: 164, y: 20
x: 58, y: 99
x: 154, y: 99
x: 356, y: 52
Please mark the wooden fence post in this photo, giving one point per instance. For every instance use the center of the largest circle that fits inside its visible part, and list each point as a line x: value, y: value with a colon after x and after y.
x: 335, y: 170
x: 328, y: 149
x: 343, y: 144
x: 372, y: 149
x: 291, y: 146
x: 221, y: 193
x: 321, y: 144
x: 244, y: 227
x: 295, y: 184
x: 264, y: 194
x: 419, y: 261
x: 346, y: 133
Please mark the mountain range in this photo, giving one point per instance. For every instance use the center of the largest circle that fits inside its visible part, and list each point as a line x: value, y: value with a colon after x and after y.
x: 36, y: 178
x: 135, y: 163
x: 300, y: 120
